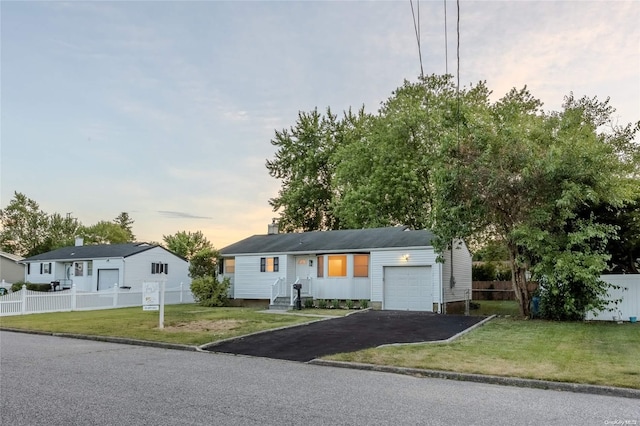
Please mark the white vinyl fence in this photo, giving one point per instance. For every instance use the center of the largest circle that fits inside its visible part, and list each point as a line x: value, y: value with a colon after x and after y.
x: 629, y: 292
x: 34, y: 302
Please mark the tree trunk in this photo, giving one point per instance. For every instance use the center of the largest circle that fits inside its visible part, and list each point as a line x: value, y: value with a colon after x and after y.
x: 519, y: 282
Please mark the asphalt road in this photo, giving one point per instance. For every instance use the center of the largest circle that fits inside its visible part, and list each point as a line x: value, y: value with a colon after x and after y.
x: 47, y: 380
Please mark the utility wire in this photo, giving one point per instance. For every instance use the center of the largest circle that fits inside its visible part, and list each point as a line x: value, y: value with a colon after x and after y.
x: 416, y: 28
x: 446, y: 43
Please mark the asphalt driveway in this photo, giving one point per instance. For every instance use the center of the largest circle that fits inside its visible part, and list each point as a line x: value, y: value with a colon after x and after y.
x: 347, y: 334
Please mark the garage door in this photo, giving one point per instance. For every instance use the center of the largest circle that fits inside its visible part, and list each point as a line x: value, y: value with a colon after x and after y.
x: 107, y: 278
x: 408, y: 288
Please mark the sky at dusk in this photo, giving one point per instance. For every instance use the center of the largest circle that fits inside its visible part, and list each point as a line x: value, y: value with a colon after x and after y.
x: 166, y: 110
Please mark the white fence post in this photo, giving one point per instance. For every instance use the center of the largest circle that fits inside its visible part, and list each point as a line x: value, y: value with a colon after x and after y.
x: 74, y: 295
x: 24, y: 299
x: 115, y: 295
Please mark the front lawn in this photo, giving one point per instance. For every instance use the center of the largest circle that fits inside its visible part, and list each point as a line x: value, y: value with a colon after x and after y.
x: 186, y: 324
x: 599, y: 353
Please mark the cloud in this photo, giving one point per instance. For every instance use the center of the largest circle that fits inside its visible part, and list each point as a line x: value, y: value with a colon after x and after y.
x: 181, y: 215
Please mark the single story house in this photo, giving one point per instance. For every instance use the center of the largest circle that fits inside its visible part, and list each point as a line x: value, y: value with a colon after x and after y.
x: 93, y: 268
x: 11, y: 270
x: 394, y: 268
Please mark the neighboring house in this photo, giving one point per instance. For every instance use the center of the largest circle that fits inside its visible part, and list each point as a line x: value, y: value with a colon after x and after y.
x: 394, y: 268
x: 100, y: 267
x: 11, y: 270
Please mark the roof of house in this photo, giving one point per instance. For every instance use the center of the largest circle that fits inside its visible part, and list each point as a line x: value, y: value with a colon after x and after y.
x: 331, y: 241
x: 91, y: 252
x: 10, y: 256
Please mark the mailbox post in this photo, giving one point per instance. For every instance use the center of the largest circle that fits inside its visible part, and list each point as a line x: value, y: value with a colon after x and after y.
x: 298, y: 287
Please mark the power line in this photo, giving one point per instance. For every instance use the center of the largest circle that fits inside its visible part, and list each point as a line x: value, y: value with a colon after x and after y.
x: 416, y: 28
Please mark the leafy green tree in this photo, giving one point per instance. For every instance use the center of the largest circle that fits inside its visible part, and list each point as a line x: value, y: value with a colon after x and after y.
x: 104, y: 232
x: 187, y: 244
x: 204, y: 263
x: 303, y: 163
x: 125, y: 222
x: 523, y: 174
x: 61, y: 231
x: 24, y: 227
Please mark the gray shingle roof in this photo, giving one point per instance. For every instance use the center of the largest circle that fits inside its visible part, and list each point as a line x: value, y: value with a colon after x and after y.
x: 91, y: 252
x: 331, y: 241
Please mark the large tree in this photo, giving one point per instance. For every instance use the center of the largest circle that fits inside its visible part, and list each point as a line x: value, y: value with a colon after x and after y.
x: 125, y: 222
x: 187, y: 244
x: 104, y: 232
x: 303, y: 163
x: 24, y: 227
x: 522, y: 175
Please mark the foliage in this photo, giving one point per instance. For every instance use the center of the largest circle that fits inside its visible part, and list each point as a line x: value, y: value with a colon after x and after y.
x: 364, y: 303
x: 61, y: 231
x: 187, y: 244
x: 303, y: 163
x: 42, y: 287
x: 308, y: 303
x: 104, y: 232
x: 209, y: 291
x: 523, y: 175
x: 483, y: 272
x: 24, y: 227
x: 204, y: 263
x: 125, y: 222
x: 491, y: 251
x: 335, y: 304
x: 322, y: 304
x: 349, y: 304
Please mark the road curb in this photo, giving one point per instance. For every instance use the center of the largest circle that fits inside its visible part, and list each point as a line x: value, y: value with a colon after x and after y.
x: 479, y: 378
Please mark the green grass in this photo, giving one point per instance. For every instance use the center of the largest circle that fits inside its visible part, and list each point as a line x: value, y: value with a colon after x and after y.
x: 184, y: 324
x: 496, y: 307
x: 598, y: 353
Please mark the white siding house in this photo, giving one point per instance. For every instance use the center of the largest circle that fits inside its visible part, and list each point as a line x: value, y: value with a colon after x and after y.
x: 393, y: 268
x: 11, y: 270
x: 93, y: 268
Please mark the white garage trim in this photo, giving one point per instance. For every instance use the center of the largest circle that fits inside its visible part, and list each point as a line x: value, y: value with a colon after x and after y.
x: 408, y: 288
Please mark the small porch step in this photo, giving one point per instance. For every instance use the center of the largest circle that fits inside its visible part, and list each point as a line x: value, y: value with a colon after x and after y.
x: 281, y: 304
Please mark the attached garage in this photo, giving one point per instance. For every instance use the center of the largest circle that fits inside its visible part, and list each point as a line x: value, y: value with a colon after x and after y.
x: 408, y: 288
x: 107, y: 278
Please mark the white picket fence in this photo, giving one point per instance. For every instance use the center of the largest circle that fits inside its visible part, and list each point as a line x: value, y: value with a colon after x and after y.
x: 629, y: 292
x: 34, y: 302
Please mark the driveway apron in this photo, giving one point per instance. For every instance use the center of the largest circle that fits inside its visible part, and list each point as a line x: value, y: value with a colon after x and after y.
x: 347, y: 334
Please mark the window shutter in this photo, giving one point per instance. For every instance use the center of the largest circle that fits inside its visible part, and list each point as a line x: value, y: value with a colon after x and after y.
x: 221, y: 267
x: 50, y: 270
x: 41, y: 269
x: 263, y: 264
x: 166, y: 268
x: 153, y: 268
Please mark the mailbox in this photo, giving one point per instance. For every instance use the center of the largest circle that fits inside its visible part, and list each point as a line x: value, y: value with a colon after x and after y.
x: 297, y: 286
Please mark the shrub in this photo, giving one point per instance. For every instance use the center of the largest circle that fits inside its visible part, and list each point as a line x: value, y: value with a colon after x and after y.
x: 43, y: 287
x: 483, y: 272
x: 308, y: 303
x: 349, y: 304
x: 322, y: 304
x: 335, y: 304
x: 208, y: 291
x: 364, y: 303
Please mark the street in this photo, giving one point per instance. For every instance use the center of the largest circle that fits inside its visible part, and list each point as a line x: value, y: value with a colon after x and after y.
x: 47, y: 380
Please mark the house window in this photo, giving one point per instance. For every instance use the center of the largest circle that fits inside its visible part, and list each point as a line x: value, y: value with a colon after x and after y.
x: 360, y: 265
x: 45, y: 268
x: 159, y: 268
x: 269, y: 264
x: 338, y: 266
x: 77, y: 266
x: 89, y: 268
x: 320, y: 266
x: 230, y: 266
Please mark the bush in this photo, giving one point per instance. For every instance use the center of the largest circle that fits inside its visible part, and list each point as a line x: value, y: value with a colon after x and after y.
x: 43, y: 287
x: 208, y: 291
x: 349, y: 304
x: 364, y: 303
x: 335, y: 304
x: 322, y: 304
x: 308, y: 303
x: 483, y: 272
